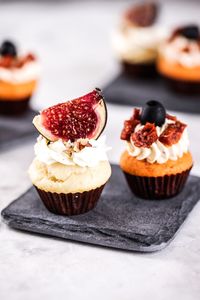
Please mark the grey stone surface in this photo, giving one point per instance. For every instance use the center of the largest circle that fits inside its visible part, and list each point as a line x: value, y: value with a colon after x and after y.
x: 129, y: 91
x: 14, y: 130
x: 120, y: 220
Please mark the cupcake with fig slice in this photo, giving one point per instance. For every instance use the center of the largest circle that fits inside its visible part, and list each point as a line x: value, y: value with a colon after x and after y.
x: 138, y: 38
x: 18, y: 79
x: 157, y: 160
x: 179, y: 60
x: 71, y: 166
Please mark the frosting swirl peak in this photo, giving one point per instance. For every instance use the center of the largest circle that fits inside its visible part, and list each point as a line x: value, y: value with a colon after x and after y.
x: 84, y: 153
x: 158, y: 152
x: 155, y: 136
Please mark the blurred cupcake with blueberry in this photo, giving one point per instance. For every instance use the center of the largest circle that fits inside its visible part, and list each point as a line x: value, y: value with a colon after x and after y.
x: 137, y: 39
x: 179, y: 59
x: 157, y: 160
x: 18, y: 79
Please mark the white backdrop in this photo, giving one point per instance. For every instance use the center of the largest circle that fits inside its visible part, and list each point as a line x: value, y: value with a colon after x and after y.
x: 72, y: 40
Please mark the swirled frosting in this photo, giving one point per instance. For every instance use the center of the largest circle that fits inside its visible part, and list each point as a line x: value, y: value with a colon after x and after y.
x: 182, y: 51
x: 158, y: 152
x: 66, y: 153
x: 28, y: 72
x: 138, y: 44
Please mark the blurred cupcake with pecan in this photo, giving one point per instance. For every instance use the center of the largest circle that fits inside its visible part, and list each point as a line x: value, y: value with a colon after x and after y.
x: 179, y: 59
x: 137, y: 39
x: 157, y: 160
x: 18, y: 79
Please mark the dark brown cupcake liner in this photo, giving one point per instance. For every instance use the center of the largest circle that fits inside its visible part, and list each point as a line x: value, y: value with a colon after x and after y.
x: 72, y: 203
x: 183, y: 86
x: 14, y: 107
x: 157, y: 187
x: 139, y: 70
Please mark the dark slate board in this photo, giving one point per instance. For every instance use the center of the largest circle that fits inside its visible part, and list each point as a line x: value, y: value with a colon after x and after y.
x: 14, y: 130
x: 129, y: 91
x: 120, y: 220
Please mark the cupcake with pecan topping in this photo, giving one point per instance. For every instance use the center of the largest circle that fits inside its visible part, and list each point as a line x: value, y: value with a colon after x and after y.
x: 137, y: 39
x: 18, y: 79
x: 179, y: 59
x: 157, y: 160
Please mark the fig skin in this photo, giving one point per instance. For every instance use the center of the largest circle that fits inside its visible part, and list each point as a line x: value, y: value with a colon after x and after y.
x: 55, y: 122
x: 142, y: 14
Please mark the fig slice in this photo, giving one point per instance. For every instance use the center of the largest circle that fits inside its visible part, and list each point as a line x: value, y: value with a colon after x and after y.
x: 84, y: 117
x: 143, y: 14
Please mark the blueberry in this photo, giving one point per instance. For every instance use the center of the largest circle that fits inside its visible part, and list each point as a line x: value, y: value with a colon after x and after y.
x: 8, y: 48
x: 153, y: 112
x: 191, y: 32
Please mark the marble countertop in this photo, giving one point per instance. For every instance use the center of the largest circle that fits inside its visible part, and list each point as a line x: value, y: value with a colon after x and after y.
x: 36, y: 267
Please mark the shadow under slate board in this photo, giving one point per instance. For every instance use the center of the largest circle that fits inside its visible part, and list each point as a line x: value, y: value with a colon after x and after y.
x: 120, y: 220
x: 125, y: 90
x: 14, y: 130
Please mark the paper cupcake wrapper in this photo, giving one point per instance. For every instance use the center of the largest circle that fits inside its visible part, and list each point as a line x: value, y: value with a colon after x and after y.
x: 183, y: 86
x: 72, y: 203
x: 139, y: 70
x: 14, y: 107
x: 157, y: 187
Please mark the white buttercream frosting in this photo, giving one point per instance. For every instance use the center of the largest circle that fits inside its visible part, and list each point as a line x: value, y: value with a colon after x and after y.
x: 138, y: 44
x: 158, y: 152
x: 30, y: 71
x: 174, y: 51
x: 50, y: 153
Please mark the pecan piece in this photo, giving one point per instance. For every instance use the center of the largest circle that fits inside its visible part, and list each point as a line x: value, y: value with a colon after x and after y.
x: 136, y: 114
x: 145, y: 137
x: 6, y: 61
x: 129, y: 125
x: 23, y: 60
x: 172, y: 134
x: 170, y: 117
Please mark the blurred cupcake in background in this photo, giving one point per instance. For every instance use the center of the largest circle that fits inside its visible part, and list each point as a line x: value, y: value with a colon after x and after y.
x: 137, y: 39
x: 157, y: 160
x: 179, y: 59
x: 18, y: 79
